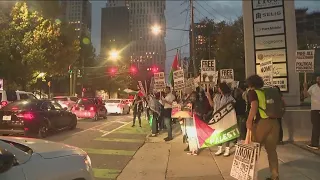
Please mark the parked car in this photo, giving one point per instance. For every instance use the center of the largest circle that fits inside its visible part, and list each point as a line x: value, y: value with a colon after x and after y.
x: 129, y: 102
x: 90, y: 108
x: 117, y: 106
x: 25, y: 158
x: 66, y: 101
x: 35, y: 118
x: 9, y: 96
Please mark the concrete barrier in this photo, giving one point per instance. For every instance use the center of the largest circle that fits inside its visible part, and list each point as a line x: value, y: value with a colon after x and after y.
x: 297, y: 124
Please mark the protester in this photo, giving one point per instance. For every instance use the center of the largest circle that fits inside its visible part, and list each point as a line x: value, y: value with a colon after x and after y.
x: 160, y: 119
x: 314, y: 93
x: 167, y: 105
x: 137, y: 110
x: 265, y: 130
x: 154, y: 106
x: 220, y: 99
x: 280, y: 120
x: 240, y: 108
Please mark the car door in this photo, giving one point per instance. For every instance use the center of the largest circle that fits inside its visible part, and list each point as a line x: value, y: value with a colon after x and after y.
x: 64, y: 116
x: 51, y: 114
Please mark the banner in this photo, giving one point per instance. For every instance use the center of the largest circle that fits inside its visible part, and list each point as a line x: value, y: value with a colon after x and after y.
x: 221, y: 128
x: 305, y: 61
x: 1, y: 84
x: 208, y: 71
x: 226, y: 75
x: 140, y: 85
x: 267, y: 72
x: 178, y: 79
x: 159, y: 82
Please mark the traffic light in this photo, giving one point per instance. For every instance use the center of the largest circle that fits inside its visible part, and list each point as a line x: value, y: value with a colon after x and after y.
x: 155, y: 69
x: 133, y: 70
x: 113, y: 71
x: 70, y: 70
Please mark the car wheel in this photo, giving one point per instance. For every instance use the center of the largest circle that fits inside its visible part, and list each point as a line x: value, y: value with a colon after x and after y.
x: 74, y: 123
x: 96, y: 117
x: 43, y: 130
x: 105, y: 116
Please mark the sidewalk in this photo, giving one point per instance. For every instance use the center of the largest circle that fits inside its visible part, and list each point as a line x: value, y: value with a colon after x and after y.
x: 159, y: 160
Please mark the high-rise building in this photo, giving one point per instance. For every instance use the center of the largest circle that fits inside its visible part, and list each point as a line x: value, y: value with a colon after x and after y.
x: 78, y: 13
x: 115, y: 30
x: 147, y: 49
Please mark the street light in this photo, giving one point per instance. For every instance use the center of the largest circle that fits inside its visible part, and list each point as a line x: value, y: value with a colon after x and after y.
x: 156, y: 29
x: 114, y: 55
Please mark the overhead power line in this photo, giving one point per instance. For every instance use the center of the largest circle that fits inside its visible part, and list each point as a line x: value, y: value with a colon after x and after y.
x: 177, y: 47
x: 217, y: 11
x: 206, y: 10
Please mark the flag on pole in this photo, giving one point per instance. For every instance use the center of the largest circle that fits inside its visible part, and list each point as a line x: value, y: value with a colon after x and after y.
x: 174, y: 67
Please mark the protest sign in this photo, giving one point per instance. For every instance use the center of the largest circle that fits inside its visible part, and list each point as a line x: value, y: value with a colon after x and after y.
x: 305, y: 61
x: 226, y: 75
x: 189, y: 85
x: 140, y: 85
x: 178, y: 79
x: 1, y: 84
x: 266, y: 68
x: 208, y: 71
x: 159, y: 81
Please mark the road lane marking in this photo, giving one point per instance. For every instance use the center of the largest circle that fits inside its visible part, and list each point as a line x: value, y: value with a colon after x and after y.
x: 115, y: 129
x: 106, y: 173
x: 109, y: 151
x: 119, y: 140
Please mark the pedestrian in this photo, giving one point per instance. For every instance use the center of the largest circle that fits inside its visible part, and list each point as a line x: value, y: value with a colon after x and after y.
x: 220, y: 99
x: 240, y: 108
x: 314, y: 93
x: 167, y: 109
x: 160, y: 119
x: 280, y: 120
x: 154, y: 105
x: 265, y: 130
x: 137, y: 110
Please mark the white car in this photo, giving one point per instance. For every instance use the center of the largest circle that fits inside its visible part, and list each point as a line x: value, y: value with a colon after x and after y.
x: 7, y: 97
x: 117, y: 106
x: 35, y: 159
x: 66, y: 101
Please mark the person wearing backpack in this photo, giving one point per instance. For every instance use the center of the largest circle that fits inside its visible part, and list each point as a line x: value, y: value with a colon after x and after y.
x: 265, y: 107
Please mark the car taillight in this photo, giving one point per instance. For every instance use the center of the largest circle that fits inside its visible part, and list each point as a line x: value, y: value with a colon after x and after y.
x: 4, y: 103
x: 26, y: 116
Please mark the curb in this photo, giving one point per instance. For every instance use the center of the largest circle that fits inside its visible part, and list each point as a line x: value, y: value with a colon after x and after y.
x: 304, y: 147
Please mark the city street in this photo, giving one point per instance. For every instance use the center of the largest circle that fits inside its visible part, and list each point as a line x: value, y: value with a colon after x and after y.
x: 110, y: 143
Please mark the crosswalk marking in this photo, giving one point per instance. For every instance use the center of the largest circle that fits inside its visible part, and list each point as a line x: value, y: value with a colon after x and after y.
x: 120, y: 140
x: 109, y: 151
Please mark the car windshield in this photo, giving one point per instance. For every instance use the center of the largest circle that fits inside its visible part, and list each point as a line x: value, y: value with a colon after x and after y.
x: 20, y: 105
x: 60, y: 99
x: 113, y: 101
x: 85, y: 102
x: 23, y: 148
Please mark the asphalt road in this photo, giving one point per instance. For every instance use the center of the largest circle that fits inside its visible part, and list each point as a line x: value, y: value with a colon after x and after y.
x: 110, y: 143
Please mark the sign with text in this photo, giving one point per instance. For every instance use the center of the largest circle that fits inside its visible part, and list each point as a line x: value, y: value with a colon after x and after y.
x: 279, y: 69
x: 208, y: 71
x: 278, y: 55
x: 270, y: 42
x: 178, y: 79
x: 159, y: 81
x: 266, y: 69
x: 269, y: 14
x: 1, y: 84
x: 226, y: 75
x: 305, y: 61
x: 269, y: 28
x: 190, y: 85
x: 258, y: 4
x: 282, y: 83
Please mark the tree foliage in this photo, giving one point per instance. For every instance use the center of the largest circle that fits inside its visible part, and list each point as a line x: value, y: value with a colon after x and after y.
x: 32, y: 44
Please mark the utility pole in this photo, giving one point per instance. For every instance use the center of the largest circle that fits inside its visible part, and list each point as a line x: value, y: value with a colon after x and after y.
x: 195, y: 70
x: 82, y: 76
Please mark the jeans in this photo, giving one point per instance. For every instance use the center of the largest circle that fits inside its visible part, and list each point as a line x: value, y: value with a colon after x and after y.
x: 135, y: 115
x: 168, y: 121
x: 155, y: 123
x: 241, y: 121
x: 315, y: 120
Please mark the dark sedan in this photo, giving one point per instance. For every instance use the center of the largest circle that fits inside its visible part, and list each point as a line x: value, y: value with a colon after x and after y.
x: 35, y: 118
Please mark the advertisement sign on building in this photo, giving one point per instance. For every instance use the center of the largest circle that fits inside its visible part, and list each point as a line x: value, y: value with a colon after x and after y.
x: 269, y: 14
x: 278, y: 55
x: 305, y: 60
x: 258, y: 4
x: 269, y: 42
x: 269, y: 28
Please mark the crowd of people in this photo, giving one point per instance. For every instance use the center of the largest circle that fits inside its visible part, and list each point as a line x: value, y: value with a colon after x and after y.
x: 247, y: 99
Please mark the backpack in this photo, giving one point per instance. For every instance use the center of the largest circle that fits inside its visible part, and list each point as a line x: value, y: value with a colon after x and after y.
x: 275, y: 107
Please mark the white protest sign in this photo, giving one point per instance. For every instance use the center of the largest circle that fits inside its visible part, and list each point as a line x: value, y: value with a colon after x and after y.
x: 305, y: 61
x: 159, y: 81
x: 1, y: 84
x: 178, y: 79
x: 226, y: 75
x: 208, y: 71
x: 267, y: 72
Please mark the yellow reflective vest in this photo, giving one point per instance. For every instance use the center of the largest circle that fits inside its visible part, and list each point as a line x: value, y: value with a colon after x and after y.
x: 262, y: 103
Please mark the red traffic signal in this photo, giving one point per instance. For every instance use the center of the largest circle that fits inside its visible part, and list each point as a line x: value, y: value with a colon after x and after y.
x: 113, y: 71
x: 155, y: 69
x: 133, y: 69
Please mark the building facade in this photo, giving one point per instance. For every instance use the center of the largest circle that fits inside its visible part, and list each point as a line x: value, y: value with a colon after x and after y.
x: 78, y: 13
x: 147, y: 49
x: 115, y: 30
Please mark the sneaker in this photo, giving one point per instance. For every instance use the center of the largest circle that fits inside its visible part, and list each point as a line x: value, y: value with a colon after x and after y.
x: 226, y: 152
x: 167, y: 139
x: 132, y: 125
x: 219, y: 152
x: 313, y: 147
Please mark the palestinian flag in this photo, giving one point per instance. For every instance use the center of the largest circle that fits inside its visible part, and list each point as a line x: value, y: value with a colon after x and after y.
x: 221, y: 128
x: 174, y: 67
